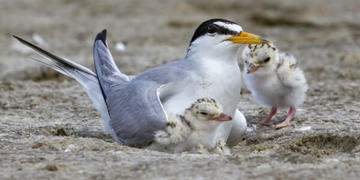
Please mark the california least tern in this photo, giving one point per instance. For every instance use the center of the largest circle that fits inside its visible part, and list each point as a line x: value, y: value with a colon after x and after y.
x: 274, y: 80
x: 135, y: 107
x: 197, y: 127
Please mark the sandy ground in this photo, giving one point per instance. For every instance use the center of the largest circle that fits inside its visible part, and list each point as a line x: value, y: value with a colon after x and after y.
x: 50, y: 130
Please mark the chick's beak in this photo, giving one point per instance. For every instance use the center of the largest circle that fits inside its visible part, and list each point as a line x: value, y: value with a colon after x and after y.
x: 222, y: 117
x: 252, y: 68
x: 247, y: 38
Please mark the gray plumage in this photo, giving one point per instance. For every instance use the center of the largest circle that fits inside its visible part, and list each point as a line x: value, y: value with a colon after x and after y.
x: 133, y: 120
x: 140, y: 113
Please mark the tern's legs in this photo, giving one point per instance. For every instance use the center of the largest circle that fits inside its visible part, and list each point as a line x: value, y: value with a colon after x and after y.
x: 268, y: 119
x: 290, y: 116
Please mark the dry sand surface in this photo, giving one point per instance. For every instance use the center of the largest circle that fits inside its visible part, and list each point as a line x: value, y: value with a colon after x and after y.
x: 50, y: 130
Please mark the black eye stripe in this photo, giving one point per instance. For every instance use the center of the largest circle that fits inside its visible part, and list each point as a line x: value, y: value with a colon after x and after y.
x: 205, y: 27
x: 212, y: 28
x: 223, y: 30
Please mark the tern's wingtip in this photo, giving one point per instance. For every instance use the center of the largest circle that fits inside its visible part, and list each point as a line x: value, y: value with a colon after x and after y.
x: 15, y: 36
x: 19, y: 39
x: 101, y: 36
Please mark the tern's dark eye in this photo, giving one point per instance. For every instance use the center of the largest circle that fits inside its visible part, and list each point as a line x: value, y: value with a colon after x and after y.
x: 246, y: 61
x: 212, y: 29
x: 267, y: 60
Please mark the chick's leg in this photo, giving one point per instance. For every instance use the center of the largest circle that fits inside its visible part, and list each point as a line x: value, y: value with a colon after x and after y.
x: 268, y: 119
x: 290, y: 116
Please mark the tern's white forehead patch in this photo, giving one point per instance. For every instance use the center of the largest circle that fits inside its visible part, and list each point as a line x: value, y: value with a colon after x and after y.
x: 232, y: 27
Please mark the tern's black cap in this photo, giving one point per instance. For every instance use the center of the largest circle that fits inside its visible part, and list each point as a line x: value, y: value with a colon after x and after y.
x: 209, y: 27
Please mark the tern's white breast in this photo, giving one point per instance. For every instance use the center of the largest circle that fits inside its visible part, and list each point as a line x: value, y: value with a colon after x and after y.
x: 218, y: 80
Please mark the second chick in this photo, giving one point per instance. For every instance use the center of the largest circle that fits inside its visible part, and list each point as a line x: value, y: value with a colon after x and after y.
x: 274, y: 80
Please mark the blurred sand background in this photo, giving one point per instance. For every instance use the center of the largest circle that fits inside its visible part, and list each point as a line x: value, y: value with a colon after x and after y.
x: 50, y: 130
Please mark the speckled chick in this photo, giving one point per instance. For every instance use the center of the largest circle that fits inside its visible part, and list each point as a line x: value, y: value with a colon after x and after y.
x: 196, y: 128
x: 274, y: 80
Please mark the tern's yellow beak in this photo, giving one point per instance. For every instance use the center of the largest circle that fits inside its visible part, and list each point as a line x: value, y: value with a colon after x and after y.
x: 247, y: 38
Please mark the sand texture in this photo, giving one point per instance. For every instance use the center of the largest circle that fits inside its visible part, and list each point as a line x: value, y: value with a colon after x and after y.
x: 50, y: 130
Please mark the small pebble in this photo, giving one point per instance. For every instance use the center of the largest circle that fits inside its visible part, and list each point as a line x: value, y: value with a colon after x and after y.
x: 51, y: 167
x: 38, y: 40
x: 305, y: 128
x: 70, y: 148
x: 37, y: 145
x: 251, y: 129
x: 121, y: 47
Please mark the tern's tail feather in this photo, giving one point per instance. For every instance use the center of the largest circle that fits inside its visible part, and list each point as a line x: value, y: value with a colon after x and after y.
x: 106, y: 69
x: 80, y: 73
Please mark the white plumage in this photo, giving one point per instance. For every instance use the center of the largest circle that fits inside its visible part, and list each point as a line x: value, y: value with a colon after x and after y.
x: 274, y: 79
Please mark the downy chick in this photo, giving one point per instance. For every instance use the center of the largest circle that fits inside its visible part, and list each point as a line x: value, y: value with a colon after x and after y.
x: 274, y: 80
x: 196, y: 128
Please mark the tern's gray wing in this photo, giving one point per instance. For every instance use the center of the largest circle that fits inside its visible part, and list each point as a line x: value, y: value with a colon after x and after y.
x: 136, y: 112
x: 106, y: 69
x: 134, y: 106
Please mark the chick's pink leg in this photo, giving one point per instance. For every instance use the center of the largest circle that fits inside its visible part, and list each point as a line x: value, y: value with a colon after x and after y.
x: 268, y: 119
x: 290, y: 116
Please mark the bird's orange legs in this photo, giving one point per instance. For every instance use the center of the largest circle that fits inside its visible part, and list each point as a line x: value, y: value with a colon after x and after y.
x: 290, y: 116
x: 285, y: 123
x: 269, y: 117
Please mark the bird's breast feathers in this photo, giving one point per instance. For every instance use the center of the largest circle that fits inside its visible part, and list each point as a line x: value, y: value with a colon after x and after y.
x: 221, y: 87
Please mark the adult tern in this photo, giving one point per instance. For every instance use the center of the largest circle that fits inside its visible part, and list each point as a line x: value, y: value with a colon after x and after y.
x: 135, y: 107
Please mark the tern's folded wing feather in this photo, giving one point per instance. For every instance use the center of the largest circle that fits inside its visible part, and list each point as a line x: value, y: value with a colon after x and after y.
x: 134, y: 105
x: 106, y: 69
x: 136, y: 112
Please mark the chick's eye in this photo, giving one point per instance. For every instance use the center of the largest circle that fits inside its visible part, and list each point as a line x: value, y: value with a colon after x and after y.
x: 246, y: 62
x: 203, y: 113
x: 212, y: 29
x: 267, y: 59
